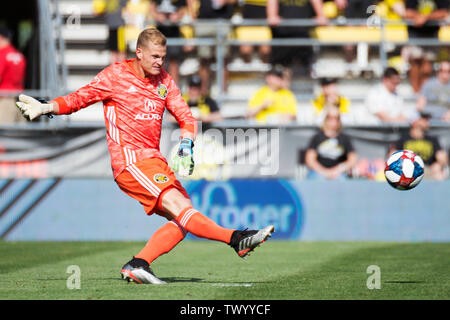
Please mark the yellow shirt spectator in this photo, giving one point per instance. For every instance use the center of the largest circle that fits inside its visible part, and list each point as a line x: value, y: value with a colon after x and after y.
x: 269, y: 105
x: 329, y: 97
x: 394, y: 9
x: 342, y: 103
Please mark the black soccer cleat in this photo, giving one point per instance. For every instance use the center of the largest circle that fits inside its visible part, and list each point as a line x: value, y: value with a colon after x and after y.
x: 138, y: 270
x: 245, y: 241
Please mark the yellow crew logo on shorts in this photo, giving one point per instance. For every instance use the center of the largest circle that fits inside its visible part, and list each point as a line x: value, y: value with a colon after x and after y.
x: 160, y: 178
x: 162, y: 90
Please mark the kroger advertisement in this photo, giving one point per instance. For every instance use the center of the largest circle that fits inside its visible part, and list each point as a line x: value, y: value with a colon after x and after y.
x: 239, y: 204
x: 96, y: 209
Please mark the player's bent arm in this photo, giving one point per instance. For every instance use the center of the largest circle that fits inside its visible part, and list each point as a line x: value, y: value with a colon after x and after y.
x: 180, y: 110
x: 183, y: 161
x: 99, y: 89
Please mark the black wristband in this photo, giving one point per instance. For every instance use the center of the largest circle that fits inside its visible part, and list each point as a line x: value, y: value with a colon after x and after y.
x: 41, y: 100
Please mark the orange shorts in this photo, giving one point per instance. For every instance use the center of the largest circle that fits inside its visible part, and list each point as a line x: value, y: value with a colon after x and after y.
x: 147, y: 181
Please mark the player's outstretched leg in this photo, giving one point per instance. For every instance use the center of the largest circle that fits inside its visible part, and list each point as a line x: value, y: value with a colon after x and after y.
x: 201, y: 226
x: 244, y: 242
x: 180, y: 208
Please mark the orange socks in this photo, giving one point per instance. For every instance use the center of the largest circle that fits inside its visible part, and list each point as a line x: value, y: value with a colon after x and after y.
x: 202, y: 226
x: 162, y: 241
x: 170, y: 234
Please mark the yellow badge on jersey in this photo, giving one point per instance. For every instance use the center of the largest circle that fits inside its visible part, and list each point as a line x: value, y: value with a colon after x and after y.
x: 162, y: 91
x: 160, y: 178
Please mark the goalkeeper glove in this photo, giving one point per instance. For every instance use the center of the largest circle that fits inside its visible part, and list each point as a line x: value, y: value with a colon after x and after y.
x: 183, y: 161
x: 32, y: 108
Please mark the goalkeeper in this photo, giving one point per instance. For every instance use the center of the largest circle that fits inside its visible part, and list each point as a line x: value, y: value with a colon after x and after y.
x: 135, y: 94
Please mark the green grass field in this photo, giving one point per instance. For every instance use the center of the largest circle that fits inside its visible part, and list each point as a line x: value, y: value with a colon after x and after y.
x: 204, y: 270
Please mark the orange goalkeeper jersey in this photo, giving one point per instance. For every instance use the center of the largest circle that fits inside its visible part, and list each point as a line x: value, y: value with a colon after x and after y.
x: 133, y: 108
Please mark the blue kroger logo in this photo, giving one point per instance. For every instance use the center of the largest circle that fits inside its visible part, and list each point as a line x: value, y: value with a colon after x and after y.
x: 238, y: 204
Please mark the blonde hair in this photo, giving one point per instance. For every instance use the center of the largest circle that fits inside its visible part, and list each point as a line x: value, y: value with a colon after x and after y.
x: 153, y: 35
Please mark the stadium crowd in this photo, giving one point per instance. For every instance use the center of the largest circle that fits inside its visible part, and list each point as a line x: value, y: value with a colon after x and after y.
x: 423, y: 69
x: 188, y: 19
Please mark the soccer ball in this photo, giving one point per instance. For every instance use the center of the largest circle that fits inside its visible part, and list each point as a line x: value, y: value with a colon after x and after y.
x: 404, y: 170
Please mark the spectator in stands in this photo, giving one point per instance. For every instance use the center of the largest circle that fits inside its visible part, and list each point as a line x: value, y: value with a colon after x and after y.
x: 136, y: 15
x: 330, y: 97
x: 426, y: 146
x: 203, y: 107
x: 395, y: 9
x: 383, y: 100
x: 255, y: 9
x: 420, y: 61
x: 168, y: 13
x: 354, y: 9
x: 277, y: 11
x: 12, y: 76
x: 211, y: 11
x: 274, y: 102
x: 434, y: 96
x: 112, y: 10
x: 423, y: 14
x: 330, y: 153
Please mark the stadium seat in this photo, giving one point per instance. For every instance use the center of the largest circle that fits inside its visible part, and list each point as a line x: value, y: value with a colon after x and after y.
x: 85, y: 33
x: 83, y: 8
x: 253, y: 33
x: 360, y: 34
x: 444, y: 34
x: 330, y: 64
